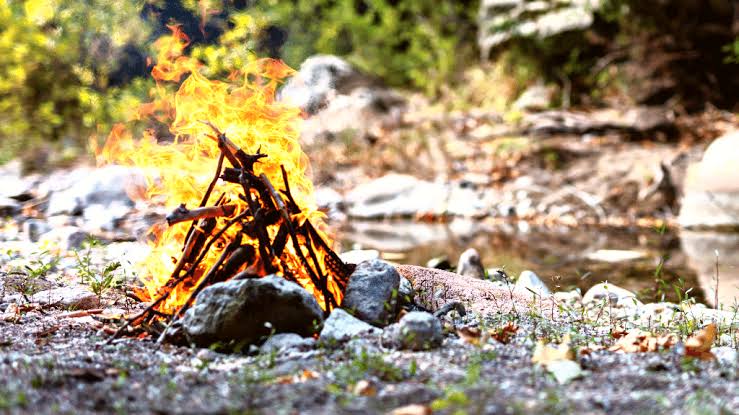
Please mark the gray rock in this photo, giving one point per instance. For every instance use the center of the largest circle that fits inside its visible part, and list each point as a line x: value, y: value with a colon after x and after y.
x: 67, y: 237
x: 102, y: 186
x: 319, y: 76
x: 417, y: 330
x: 639, y: 119
x: 534, y: 98
x: 341, y: 326
x: 470, y: 265
x: 372, y: 292
x: 70, y: 297
x: 34, y: 228
x: 700, y: 248
x: 405, y: 291
x: 499, y: 275
x: 528, y: 279
x: 502, y: 20
x: 287, y: 341
x: 711, y: 195
x: 240, y: 310
x: 9, y: 207
x: 726, y: 355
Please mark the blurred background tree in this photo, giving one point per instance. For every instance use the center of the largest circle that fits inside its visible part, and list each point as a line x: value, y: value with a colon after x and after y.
x: 71, y: 68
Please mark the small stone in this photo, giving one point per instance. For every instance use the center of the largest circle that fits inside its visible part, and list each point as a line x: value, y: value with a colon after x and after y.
x: 439, y: 262
x: 414, y: 409
x: 498, y: 275
x: 417, y: 330
x: 726, y: 355
x: 535, y: 98
x: 405, y: 291
x: 67, y: 238
x: 470, y: 265
x: 287, y: 341
x: 34, y: 228
x: 568, y: 297
x: 71, y: 297
x: 247, y: 310
x: 614, y: 294
x: 528, y: 280
x: 372, y: 291
x: 359, y: 255
x: 564, y: 371
x: 206, y: 355
x: 341, y: 326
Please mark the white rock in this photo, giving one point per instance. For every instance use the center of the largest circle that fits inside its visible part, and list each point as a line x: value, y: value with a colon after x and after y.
x: 726, y: 355
x: 711, y: 196
x: 607, y: 291
x: 359, y: 255
x: 528, y: 280
x: 564, y: 371
x: 66, y: 238
x: 615, y: 255
x: 71, y: 297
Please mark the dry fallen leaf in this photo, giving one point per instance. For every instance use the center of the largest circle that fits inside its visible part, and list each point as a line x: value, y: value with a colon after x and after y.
x: 505, y: 333
x: 365, y: 388
x: 306, y: 375
x: 699, y: 344
x: 544, y: 354
x: 639, y: 341
x: 471, y: 335
x: 415, y: 409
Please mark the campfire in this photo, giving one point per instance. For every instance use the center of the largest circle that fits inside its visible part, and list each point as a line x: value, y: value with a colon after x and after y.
x: 231, y: 169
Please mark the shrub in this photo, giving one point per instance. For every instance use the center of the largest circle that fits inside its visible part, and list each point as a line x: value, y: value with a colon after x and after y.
x: 66, y: 70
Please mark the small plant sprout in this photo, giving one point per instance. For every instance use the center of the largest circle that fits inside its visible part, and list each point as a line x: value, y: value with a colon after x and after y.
x: 100, y: 280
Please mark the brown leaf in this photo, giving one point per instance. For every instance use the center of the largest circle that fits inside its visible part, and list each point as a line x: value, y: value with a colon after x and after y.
x: 505, y: 333
x: 365, y: 388
x: 471, y: 335
x: 545, y: 354
x: 639, y: 341
x: 699, y: 344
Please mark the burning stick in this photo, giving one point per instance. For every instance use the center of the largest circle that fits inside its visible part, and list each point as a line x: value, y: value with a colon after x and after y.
x: 183, y: 214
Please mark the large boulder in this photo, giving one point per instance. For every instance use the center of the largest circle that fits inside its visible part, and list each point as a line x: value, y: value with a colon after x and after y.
x: 239, y: 310
x: 338, y: 98
x: 711, y: 193
x: 502, y: 20
x: 104, y: 192
x: 399, y: 195
x: 372, y: 292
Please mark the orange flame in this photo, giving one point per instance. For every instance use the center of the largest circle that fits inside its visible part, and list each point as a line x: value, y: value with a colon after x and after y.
x: 179, y: 172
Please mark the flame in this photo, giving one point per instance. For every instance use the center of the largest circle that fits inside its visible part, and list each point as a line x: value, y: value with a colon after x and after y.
x: 245, y: 109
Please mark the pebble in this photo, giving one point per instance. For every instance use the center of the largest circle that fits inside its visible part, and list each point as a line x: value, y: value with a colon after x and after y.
x: 341, y: 326
x: 470, y: 265
x: 417, y: 330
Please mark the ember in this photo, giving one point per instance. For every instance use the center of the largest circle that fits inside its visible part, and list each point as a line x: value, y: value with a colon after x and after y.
x: 240, y: 224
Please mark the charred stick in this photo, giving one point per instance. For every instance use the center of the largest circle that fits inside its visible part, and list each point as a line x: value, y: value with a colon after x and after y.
x: 278, y: 245
x: 211, y: 186
x: 314, y: 275
x: 183, y: 214
x: 244, y: 254
x: 265, y: 247
x: 203, y: 282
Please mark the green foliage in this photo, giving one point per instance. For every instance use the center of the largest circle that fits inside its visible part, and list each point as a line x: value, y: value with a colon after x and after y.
x: 100, y: 279
x: 58, y: 56
x: 418, y: 43
x: 27, y: 282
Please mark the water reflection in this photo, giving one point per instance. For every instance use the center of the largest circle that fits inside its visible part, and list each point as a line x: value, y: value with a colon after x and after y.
x: 561, y: 256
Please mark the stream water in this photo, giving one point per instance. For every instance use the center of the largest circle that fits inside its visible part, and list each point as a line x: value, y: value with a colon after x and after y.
x: 652, y: 263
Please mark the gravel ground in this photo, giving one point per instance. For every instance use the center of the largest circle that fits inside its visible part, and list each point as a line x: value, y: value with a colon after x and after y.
x: 62, y: 365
